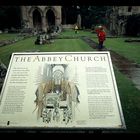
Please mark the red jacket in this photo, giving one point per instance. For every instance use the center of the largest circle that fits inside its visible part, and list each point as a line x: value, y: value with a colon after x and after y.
x: 101, y: 35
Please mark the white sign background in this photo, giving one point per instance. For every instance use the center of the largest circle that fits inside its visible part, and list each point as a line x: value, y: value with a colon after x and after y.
x: 91, y: 72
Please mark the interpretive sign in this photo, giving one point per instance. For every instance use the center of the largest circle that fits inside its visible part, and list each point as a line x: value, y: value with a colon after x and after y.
x: 61, y: 90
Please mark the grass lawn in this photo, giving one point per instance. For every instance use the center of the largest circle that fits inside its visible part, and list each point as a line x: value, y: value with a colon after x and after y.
x: 129, y: 95
x: 7, y: 36
x: 126, y: 49
x: 129, y: 50
x: 57, y: 46
x: 71, y: 33
x: 130, y: 100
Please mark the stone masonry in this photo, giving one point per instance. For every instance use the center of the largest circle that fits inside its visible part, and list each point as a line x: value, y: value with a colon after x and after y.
x: 40, y: 17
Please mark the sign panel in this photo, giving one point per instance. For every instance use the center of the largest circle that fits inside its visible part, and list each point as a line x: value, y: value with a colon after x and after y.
x: 60, y: 90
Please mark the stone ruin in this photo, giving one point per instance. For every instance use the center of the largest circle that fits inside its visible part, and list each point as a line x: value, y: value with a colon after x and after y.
x: 47, y: 37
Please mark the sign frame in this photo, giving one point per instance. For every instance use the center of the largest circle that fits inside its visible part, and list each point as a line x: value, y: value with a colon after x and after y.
x: 69, y: 58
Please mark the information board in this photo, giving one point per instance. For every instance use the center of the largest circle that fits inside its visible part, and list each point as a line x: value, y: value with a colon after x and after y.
x: 61, y: 90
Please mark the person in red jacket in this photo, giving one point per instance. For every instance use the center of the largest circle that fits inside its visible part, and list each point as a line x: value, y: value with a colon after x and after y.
x: 101, y: 36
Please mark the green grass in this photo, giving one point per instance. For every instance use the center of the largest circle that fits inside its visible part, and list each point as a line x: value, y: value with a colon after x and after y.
x: 7, y: 36
x: 129, y: 95
x: 126, y: 49
x: 71, y: 33
x: 130, y: 100
x: 57, y: 46
x: 129, y: 50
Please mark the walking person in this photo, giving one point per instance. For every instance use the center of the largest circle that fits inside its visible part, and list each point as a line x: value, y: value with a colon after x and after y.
x: 76, y: 29
x: 101, y: 37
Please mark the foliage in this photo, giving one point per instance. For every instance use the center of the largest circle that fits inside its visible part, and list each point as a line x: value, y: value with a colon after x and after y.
x: 9, y: 16
x: 93, y: 15
x: 69, y: 14
x: 133, y: 28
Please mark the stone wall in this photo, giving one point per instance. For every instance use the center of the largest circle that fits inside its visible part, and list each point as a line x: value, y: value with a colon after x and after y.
x: 42, y: 11
x: 118, y: 18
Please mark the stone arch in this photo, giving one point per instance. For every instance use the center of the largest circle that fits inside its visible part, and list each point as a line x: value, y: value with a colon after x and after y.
x: 50, y: 14
x: 35, y: 8
x: 58, y: 76
x: 37, y: 21
x: 50, y: 17
x: 35, y: 16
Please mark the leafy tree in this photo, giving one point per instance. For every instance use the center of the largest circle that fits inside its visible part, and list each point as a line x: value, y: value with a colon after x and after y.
x: 133, y: 28
x: 9, y: 16
x: 93, y: 15
x: 69, y: 15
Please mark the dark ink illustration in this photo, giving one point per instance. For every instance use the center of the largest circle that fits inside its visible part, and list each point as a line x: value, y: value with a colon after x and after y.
x: 57, y: 95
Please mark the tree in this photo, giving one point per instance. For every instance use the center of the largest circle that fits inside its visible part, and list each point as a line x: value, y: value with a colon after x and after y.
x: 133, y: 28
x: 10, y: 17
x: 69, y: 15
x: 93, y: 15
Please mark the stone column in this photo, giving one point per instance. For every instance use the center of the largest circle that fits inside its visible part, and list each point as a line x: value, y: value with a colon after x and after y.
x: 24, y: 16
x: 22, y: 8
x: 57, y: 21
x: 31, y: 22
x: 79, y: 21
x: 58, y: 17
x: 44, y: 28
x: 123, y: 28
